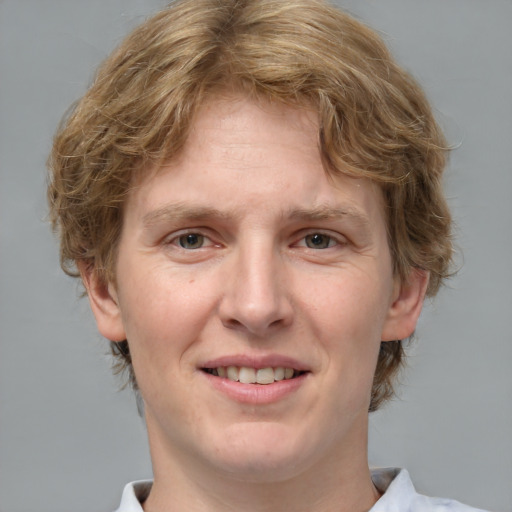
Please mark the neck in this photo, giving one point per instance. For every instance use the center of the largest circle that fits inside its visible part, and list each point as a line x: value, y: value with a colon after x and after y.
x: 338, y: 482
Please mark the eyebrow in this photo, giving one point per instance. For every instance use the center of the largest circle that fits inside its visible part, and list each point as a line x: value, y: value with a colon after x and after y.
x: 326, y: 213
x: 182, y: 211
x: 178, y: 211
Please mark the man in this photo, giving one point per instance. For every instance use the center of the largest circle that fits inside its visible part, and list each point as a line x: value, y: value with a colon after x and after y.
x: 250, y: 192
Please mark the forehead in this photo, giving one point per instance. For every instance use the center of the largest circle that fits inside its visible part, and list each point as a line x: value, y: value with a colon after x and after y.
x: 234, y: 127
x: 253, y: 153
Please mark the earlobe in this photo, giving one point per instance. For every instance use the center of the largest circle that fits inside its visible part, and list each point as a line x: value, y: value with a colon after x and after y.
x: 406, y: 307
x: 104, y: 304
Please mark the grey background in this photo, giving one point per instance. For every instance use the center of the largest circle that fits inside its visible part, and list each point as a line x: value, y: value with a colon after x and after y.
x: 70, y: 441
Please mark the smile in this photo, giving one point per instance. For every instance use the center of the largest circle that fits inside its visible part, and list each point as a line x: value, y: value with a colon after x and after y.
x: 248, y: 375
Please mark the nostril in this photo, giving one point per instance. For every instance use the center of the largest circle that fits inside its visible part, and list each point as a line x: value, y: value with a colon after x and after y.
x: 232, y: 323
x: 257, y: 317
x: 259, y: 329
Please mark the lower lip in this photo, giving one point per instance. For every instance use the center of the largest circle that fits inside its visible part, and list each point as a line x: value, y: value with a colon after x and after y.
x: 256, y: 393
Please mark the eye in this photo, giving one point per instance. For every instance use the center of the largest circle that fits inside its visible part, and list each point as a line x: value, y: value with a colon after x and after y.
x: 319, y: 241
x: 191, y: 241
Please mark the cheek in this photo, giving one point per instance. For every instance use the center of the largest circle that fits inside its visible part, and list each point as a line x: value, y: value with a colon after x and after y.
x: 347, y: 321
x: 349, y: 305
x: 162, y: 316
x: 153, y: 294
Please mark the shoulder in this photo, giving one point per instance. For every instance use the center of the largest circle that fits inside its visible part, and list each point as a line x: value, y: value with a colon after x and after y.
x: 399, y: 494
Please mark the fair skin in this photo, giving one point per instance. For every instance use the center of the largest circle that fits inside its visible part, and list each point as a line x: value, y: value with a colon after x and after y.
x: 244, y: 253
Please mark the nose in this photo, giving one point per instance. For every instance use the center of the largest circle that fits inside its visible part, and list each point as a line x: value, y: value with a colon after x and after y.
x: 256, y: 297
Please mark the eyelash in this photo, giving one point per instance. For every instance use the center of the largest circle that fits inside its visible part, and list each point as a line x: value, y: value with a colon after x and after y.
x: 178, y: 238
x: 328, y: 240
x: 332, y: 241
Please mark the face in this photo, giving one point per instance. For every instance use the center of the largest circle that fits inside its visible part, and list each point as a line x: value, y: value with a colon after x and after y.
x: 254, y: 291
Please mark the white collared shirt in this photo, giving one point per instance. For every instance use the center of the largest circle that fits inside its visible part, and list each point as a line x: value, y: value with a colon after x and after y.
x: 399, y: 495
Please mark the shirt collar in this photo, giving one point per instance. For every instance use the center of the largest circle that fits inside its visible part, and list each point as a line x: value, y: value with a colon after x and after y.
x: 396, y: 487
x: 134, y: 494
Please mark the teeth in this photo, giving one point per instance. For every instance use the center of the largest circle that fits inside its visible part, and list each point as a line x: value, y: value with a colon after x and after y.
x: 232, y: 373
x: 279, y: 373
x: 248, y: 375
x: 265, y: 376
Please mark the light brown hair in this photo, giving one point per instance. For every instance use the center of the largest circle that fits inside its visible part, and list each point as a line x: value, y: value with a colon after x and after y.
x: 375, y: 122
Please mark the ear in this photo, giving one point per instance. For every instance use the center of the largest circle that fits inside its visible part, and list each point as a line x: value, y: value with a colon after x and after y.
x: 104, y: 304
x: 406, y: 307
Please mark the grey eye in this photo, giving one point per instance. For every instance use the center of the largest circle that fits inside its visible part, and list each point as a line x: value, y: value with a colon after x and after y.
x: 318, y: 241
x: 191, y: 241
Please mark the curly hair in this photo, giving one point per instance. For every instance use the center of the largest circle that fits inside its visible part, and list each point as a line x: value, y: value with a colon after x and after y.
x: 375, y: 123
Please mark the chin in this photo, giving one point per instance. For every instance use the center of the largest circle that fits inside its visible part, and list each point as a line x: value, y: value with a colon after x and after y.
x: 255, y: 452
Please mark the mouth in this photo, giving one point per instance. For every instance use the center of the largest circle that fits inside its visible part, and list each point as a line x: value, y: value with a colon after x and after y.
x: 250, y: 375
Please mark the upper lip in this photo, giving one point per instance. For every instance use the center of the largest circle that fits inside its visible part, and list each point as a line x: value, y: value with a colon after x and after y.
x: 266, y: 361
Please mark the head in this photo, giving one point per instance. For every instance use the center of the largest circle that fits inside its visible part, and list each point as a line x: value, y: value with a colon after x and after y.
x: 374, y: 122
